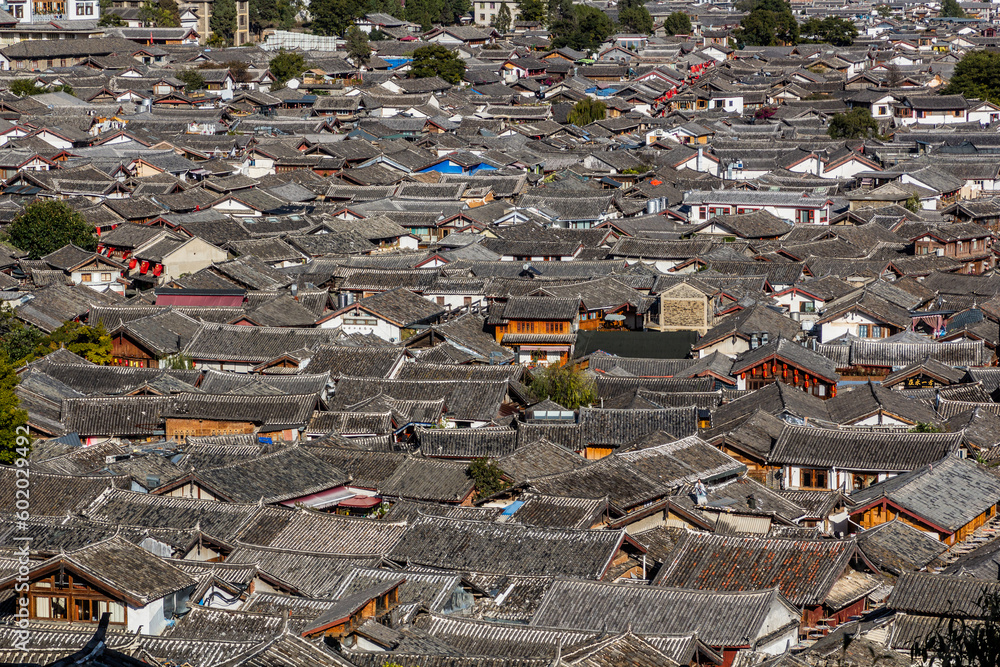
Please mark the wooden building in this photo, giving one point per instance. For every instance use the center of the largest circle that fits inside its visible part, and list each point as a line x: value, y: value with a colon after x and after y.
x: 950, y: 499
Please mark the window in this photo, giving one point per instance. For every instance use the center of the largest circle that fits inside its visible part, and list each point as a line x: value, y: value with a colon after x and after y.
x: 482, y: 18
x: 803, y: 216
x: 553, y: 327
x: 702, y: 212
x: 105, y: 277
x: 493, y: 5
x: 85, y: 277
x: 813, y: 479
x: 807, y: 307
x: 360, y: 321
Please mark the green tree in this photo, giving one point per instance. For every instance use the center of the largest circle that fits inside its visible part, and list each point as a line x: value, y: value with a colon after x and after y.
x: 437, y: 60
x: 109, y: 19
x: 586, y: 111
x: 769, y: 23
x: 22, y: 87
x: 377, y: 35
x: 855, y: 124
x: 192, y: 79
x: 583, y: 29
x: 272, y: 14
x: 634, y: 17
x: 45, y: 225
x: 951, y: 9
x: 17, y: 340
x: 160, y: 13
x: 926, y: 427
x: 358, y: 49
x: 961, y: 641
x: 502, y: 19
x: 332, y: 17
x: 885, y: 11
x: 12, y: 417
x: 532, y: 10
x: 977, y: 75
x: 286, y: 65
x: 832, y: 30
x: 913, y: 205
x: 428, y: 12
x: 223, y: 19
x: 567, y: 385
x: 677, y: 23
x: 487, y: 477
x: 91, y: 343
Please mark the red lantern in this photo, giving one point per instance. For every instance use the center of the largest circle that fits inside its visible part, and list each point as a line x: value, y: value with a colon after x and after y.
x: 833, y: 391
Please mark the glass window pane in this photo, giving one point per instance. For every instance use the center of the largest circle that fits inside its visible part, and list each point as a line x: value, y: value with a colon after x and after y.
x: 42, y: 608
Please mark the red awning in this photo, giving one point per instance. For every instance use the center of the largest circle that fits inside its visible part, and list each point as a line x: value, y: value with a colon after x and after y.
x: 361, y: 502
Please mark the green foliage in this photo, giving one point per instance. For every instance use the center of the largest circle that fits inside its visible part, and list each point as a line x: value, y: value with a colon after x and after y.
x: 913, y: 204
x: 216, y: 41
x: 109, y: 19
x: 46, y: 225
x: 223, y: 19
x: 428, y: 12
x: 677, y: 23
x: 11, y: 414
x: 634, y: 17
x: 332, y: 17
x: 192, y: 79
x: 22, y: 87
x: 487, y: 477
x: 885, y: 11
x: 502, y: 19
x: 533, y: 10
x: 180, y: 362
x: 91, y: 343
x: 855, y: 124
x: 977, y: 75
x: 926, y: 427
x: 377, y: 35
x: 162, y: 13
x: 357, y: 46
x: 567, y: 385
x: 273, y: 14
x: 960, y: 642
x: 951, y: 9
x: 286, y: 65
x: 636, y: 170
x: 437, y: 60
x: 584, y: 28
x: 586, y: 111
x: 17, y: 340
x: 769, y: 23
x: 832, y: 30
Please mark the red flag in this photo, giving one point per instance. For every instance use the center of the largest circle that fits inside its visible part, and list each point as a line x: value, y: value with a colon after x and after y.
x: 132, y: 263
x: 158, y: 270
x: 144, y: 267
